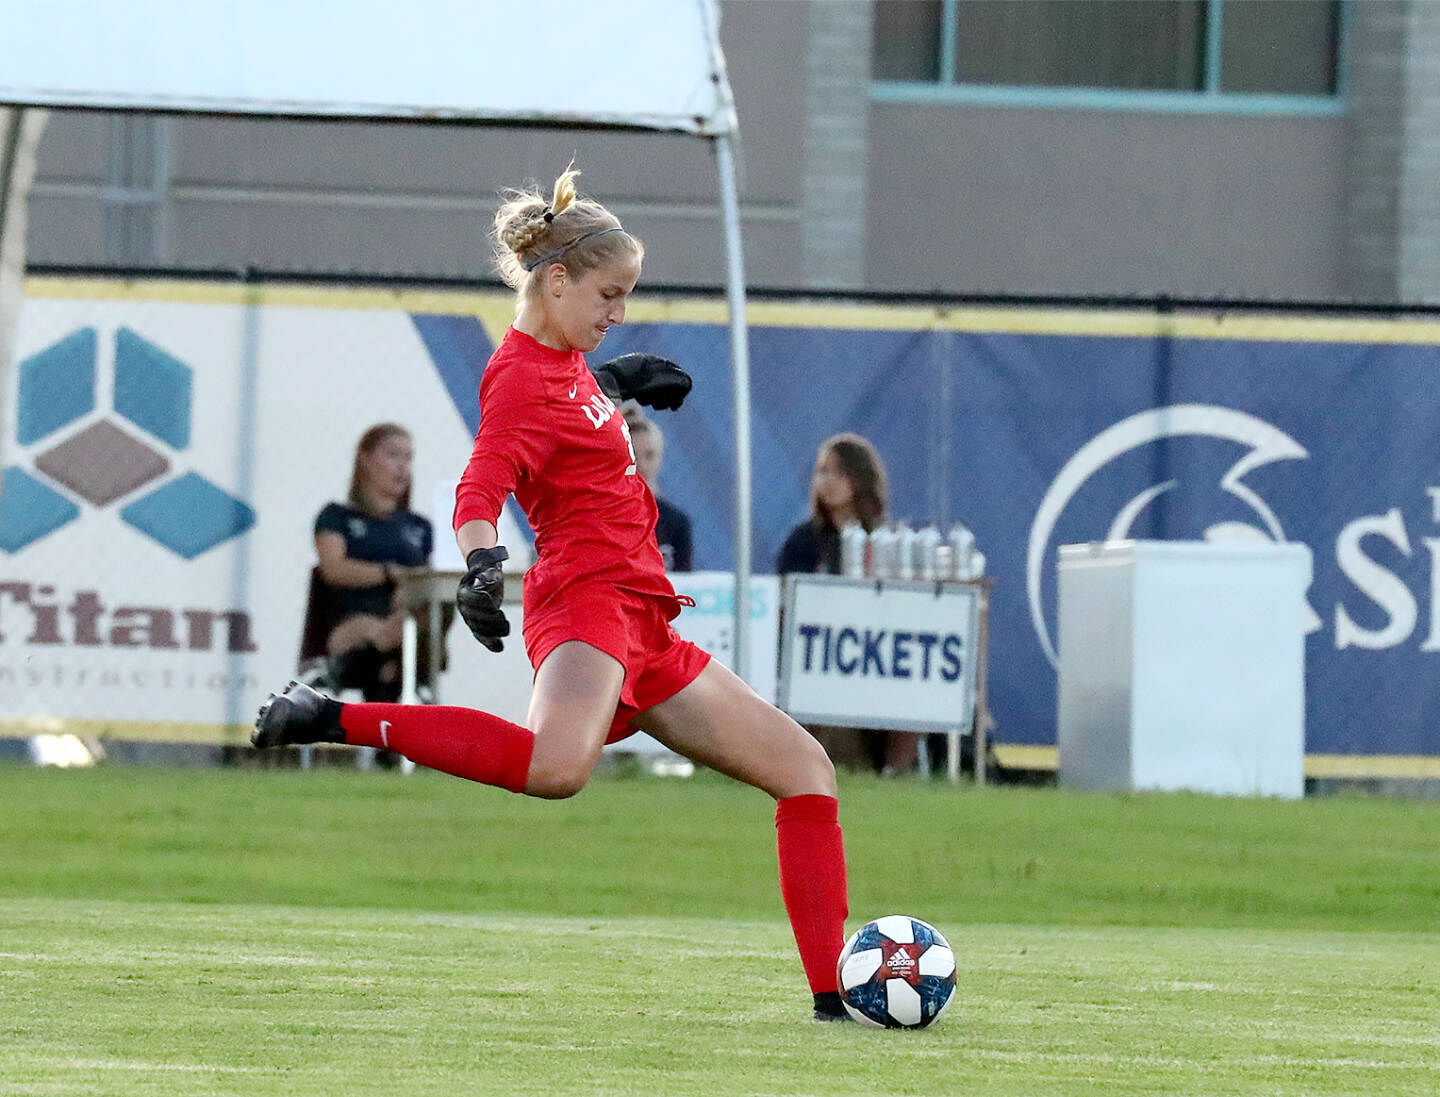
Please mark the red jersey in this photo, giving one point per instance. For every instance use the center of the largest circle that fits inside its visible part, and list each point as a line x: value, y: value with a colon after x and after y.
x: 550, y: 436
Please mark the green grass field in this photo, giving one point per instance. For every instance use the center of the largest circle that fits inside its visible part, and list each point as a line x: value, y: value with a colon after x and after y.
x: 259, y: 932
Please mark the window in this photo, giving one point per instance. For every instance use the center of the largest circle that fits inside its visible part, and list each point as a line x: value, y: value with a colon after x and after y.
x: 1288, y: 47
x: 1189, y: 48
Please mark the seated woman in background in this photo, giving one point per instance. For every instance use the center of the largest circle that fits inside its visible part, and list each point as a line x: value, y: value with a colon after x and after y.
x: 848, y: 485
x: 365, y: 545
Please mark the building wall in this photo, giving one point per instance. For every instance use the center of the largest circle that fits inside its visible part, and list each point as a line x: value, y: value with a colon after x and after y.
x: 1392, y: 248
x: 1028, y: 200
x: 911, y: 197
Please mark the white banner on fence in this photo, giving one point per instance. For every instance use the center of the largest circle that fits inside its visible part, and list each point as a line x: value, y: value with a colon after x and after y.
x: 166, y: 463
x: 711, y: 621
x: 862, y: 653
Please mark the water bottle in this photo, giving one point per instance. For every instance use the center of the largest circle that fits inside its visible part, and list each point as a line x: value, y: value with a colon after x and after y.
x: 944, y: 562
x: 962, y: 546
x: 977, y: 565
x: 904, y: 551
x: 853, y: 541
x: 927, y: 550
x: 882, y: 552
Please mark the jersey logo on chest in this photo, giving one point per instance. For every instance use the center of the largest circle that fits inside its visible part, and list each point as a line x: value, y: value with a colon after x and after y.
x: 599, y: 410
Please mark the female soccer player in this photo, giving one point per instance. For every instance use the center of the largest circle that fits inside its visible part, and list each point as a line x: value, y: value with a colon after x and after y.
x: 597, y: 602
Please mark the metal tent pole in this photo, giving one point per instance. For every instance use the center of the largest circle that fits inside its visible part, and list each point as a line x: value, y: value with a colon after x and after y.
x: 20, y: 130
x: 740, y: 374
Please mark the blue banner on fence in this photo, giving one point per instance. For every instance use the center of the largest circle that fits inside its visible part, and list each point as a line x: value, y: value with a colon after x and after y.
x: 1037, y: 440
x: 1152, y: 427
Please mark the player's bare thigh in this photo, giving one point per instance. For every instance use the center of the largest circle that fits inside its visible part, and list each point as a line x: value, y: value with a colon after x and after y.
x: 719, y: 721
x: 573, y: 704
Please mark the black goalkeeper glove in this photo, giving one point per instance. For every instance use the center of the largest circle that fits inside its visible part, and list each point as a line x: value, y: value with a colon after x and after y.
x: 646, y: 378
x: 480, y: 594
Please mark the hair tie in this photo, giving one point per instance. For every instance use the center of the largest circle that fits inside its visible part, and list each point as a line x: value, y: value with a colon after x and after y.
x: 531, y: 264
x: 548, y: 215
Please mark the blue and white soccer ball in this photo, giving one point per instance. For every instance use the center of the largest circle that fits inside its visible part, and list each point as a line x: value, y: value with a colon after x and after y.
x: 896, y: 972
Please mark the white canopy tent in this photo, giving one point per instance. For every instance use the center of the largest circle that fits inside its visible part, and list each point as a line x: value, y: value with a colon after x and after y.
x: 623, y: 64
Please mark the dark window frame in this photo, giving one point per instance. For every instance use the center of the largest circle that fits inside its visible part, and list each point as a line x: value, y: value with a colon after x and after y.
x: 1211, y: 98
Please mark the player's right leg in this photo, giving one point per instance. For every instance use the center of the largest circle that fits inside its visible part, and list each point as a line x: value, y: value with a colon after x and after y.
x: 571, y: 709
x: 721, y: 722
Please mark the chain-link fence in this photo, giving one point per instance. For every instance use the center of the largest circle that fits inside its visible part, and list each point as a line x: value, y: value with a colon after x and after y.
x: 169, y: 444
x: 169, y: 448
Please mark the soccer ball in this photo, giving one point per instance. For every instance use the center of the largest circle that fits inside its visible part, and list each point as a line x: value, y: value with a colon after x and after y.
x: 896, y: 972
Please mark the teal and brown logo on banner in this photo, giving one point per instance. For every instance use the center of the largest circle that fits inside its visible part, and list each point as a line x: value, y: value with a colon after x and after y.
x: 75, y: 454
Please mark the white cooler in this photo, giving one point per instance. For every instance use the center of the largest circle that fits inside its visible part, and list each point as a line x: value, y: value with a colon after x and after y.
x: 1182, y: 666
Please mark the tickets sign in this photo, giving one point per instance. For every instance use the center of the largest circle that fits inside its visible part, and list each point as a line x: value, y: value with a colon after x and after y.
x: 864, y: 653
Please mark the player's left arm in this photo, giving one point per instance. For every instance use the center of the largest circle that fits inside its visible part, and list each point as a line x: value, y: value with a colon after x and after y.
x: 516, y: 437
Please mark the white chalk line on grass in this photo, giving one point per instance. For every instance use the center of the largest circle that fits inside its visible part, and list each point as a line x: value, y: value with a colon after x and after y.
x: 1023, y: 1058
x: 141, y: 1066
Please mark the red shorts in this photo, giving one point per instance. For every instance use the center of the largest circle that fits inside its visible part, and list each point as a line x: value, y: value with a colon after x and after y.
x: 634, y: 630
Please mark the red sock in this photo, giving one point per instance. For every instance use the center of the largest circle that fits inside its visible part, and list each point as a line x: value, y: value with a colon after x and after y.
x: 461, y: 741
x: 812, y: 882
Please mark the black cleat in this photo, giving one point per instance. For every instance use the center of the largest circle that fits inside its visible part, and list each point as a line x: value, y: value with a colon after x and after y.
x: 297, y: 716
x: 828, y: 1007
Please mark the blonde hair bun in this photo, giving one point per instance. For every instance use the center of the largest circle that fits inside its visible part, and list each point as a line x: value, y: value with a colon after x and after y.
x: 528, y: 229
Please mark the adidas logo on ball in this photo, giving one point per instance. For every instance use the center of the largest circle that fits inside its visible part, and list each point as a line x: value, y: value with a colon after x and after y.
x: 902, y: 963
x: 896, y: 972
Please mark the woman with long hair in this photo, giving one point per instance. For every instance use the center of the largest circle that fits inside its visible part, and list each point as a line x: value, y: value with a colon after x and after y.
x: 848, y: 485
x: 364, y: 547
